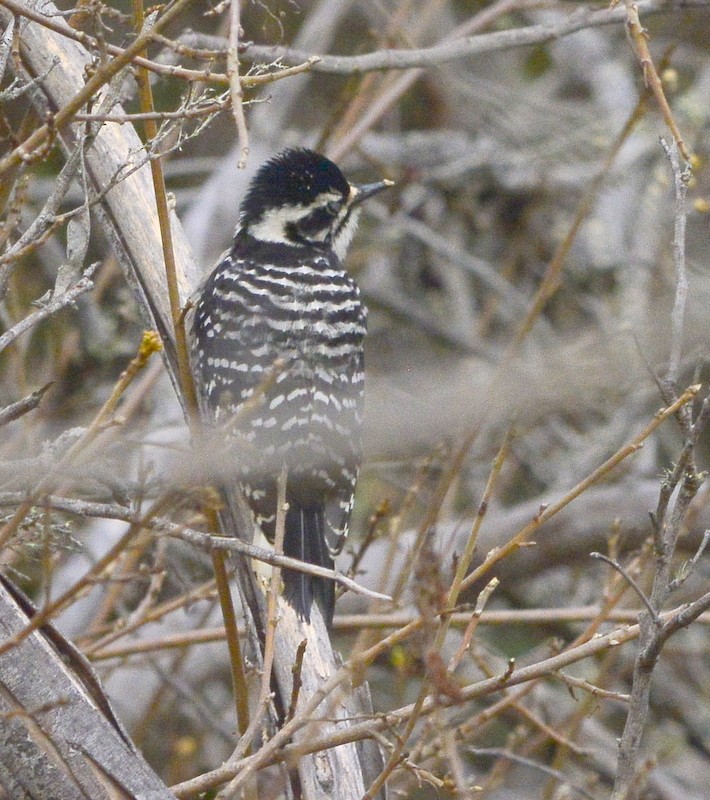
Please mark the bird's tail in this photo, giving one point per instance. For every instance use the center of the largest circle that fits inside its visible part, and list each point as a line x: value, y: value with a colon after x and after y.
x: 304, y: 538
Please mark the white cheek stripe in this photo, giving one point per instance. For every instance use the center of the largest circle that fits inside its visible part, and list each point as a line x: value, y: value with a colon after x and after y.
x: 272, y: 226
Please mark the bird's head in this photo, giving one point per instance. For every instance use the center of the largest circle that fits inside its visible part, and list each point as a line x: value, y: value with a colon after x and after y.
x: 300, y: 198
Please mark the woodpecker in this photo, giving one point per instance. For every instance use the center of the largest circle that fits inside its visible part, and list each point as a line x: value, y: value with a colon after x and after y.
x: 277, y: 349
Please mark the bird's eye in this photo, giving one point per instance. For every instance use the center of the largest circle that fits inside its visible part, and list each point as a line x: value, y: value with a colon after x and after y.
x: 333, y: 207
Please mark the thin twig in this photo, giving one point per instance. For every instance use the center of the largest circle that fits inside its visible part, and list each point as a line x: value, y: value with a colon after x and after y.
x: 390, y: 58
x: 18, y: 409
x: 85, y: 582
x: 277, y: 751
x: 668, y: 521
x: 481, y: 601
x: 190, y: 112
x: 203, y: 540
x: 466, y: 47
x: 98, y: 79
x: 149, y: 345
x: 269, y: 640
x: 353, y: 622
x: 639, y: 42
x: 688, y: 568
x: 595, y: 691
x: 205, y: 591
x: 195, y: 75
x: 61, y: 301
x: 296, y: 671
x: 632, y: 583
x: 45, y: 219
x: 547, y: 513
x: 467, y: 556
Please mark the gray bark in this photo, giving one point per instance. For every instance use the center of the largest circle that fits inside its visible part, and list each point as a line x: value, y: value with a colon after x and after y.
x: 58, y: 737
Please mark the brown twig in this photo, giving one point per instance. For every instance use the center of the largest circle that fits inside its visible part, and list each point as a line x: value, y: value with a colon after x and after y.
x: 200, y: 539
x: 590, y: 688
x: 120, y: 629
x: 630, y: 580
x: 296, y: 671
x: 86, y: 581
x: 149, y: 345
x: 545, y: 514
x: 277, y: 750
x: 481, y: 601
x: 464, y: 562
x: 102, y: 76
x: 353, y: 622
x: 639, y: 43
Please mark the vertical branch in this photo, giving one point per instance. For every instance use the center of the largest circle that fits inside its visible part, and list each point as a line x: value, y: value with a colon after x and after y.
x: 668, y: 520
x: 275, y: 586
x: 145, y: 95
x: 235, y: 86
x: 186, y: 382
x: 680, y: 184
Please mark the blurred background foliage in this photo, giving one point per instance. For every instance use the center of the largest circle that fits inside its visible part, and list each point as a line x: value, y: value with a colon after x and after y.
x: 492, y: 157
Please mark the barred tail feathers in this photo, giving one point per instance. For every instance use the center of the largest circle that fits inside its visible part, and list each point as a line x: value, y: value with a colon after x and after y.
x: 304, y: 539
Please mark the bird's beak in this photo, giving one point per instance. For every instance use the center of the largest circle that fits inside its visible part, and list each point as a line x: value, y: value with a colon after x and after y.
x: 365, y: 190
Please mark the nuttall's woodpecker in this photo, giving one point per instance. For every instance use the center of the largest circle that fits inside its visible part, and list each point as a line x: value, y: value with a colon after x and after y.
x: 279, y: 317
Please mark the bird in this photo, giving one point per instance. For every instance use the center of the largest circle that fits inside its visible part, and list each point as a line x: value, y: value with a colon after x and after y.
x: 277, y: 351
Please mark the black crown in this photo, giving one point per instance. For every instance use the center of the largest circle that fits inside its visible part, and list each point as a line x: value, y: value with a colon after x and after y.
x: 294, y: 177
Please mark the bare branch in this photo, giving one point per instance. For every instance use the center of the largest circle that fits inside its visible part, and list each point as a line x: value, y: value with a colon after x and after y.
x: 632, y: 583
x: 467, y: 47
x: 639, y: 40
x: 235, y: 85
x: 681, y: 177
x: 18, y: 409
x: 688, y: 568
x: 205, y: 541
x: 68, y: 298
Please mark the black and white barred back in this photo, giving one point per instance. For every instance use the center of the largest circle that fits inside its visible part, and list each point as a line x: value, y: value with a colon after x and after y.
x: 277, y: 341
